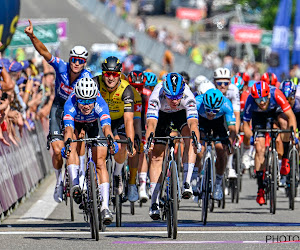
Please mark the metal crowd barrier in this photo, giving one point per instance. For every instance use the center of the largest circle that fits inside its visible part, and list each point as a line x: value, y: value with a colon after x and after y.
x: 23, y: 166
x: 145, y: 45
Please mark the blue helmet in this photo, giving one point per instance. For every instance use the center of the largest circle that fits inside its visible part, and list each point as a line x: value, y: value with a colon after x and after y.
x: 173, y: 84
x: 288, y: 88
x: 213, y: 99
x: 237, y: 81
x: 151, y: 79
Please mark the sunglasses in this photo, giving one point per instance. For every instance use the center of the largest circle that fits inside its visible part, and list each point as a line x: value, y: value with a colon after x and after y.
x: 174, y: 97
x: 212, y: 111
x: 111, y: 73
x: 86, y: 101
x: 77, y: 59
x: 261, y: 99
x: 221, y: 83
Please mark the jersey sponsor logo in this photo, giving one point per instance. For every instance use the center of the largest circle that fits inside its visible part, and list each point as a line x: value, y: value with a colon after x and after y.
x: 72, y: 109
x: 154, y: 103
x: 68, y: 118
x: 117, y: 94
x: 66, y: 88
x: 103, y: 117
x: 127, y: 99
x: 98, y: 109
x: 191, y: 103
x: 138, y: 108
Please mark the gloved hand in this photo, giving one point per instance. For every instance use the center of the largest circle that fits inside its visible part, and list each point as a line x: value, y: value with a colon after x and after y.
x: 116, y: 147
x: 296, y: 141
x: 199, y: 147
x: 63, y: 152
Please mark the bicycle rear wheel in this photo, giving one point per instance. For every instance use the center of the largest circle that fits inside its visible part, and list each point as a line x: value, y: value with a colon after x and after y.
x: 94, y: 217
x: 174, y: 198
x: 205, y: 191
x: 239, y: 175
x: 273, y: 189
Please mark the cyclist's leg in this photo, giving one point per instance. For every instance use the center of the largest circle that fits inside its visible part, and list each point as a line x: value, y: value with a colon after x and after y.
x: 81, y: 152
x: 143, y: 172
x: 285, y: 138
x: 57, y: 144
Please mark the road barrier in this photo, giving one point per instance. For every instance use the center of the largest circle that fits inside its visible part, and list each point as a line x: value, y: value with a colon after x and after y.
x: 145, y: 45
x: 23, y: 166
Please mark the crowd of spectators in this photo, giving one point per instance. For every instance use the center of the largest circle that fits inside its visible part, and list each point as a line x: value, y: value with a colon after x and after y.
x: 26, y: 95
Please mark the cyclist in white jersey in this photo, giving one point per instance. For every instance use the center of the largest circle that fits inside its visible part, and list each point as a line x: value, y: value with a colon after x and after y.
x: 202, y: 84
x: 171, y: 101
x: 222, y: 82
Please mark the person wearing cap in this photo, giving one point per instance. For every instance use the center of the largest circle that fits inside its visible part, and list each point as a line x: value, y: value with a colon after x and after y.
x: 67, y: 75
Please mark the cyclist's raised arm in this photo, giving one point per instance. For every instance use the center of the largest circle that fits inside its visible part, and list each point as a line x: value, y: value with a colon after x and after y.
x: 39, y: 46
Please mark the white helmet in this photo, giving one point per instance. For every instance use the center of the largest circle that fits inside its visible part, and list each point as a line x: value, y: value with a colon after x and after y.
x: 200, y: 79
x: 86, y: 88
x: 79, y: 51
x: 222, y: 73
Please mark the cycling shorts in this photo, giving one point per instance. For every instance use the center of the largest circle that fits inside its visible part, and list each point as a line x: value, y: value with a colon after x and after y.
x: 92, y: 129
x: 118, y: 127
x: 163, y: 125
x: 56, y: 121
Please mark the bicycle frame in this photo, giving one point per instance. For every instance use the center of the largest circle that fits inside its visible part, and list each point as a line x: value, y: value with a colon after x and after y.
x: 208, y: 155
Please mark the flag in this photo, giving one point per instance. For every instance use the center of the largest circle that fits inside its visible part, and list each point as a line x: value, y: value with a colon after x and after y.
x: 296, y: 51
x: 280, y: 40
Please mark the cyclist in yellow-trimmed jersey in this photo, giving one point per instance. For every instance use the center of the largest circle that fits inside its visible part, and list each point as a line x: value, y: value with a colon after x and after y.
x: 119, y: 97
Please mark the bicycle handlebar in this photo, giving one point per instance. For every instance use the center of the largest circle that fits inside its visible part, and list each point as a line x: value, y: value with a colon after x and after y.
x: 224, y: 140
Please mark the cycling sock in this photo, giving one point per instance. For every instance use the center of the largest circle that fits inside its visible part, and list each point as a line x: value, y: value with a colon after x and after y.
x: 82, y: 165
x: 58, y: 176
x: 185, y: 170
x: 118, y: 168
x: 133, y: 172
x: 143, y: 180
x: 260, y: 180
x: 229, y: 161
x: 155, y: 192
x: 286, y: 146
x: 219, y: 179
x: 105, y: 195
x: 190, y: 172
x: 73, y: 174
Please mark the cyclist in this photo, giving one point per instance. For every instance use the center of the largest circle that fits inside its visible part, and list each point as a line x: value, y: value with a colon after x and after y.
x: 86, y: 110
x: 267, y: 102
x: 171, y: 101
x: 119, y: 96
x: 212, y: 107
x: 222, y: 82
x: 137, y: 80
x: 67, y: 75
x: 202, y: 84
x: 271, y: 79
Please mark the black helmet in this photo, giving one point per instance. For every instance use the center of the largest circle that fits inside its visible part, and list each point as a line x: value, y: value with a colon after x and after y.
x: 112, y: 63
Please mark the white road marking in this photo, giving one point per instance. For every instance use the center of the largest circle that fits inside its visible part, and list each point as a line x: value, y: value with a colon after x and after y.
x: 75, y: 4
x: 40, y: 210
x: 143, y: 232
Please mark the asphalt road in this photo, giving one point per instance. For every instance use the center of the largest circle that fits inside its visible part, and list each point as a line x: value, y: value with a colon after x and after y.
x: 39, y: 223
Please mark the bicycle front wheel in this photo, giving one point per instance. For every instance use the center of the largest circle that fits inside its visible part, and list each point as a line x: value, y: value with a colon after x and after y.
x: 94, y: 217
x: 174, y: 198
x: 205, y: 191
x: 273, y: 189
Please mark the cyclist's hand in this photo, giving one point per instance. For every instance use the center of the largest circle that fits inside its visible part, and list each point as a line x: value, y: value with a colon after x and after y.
x: 63, y: 152
x: 29, y: 29
x: 148, y: 150
x: 133, y: 152
x: 296, y: 141
x: 116, y: 146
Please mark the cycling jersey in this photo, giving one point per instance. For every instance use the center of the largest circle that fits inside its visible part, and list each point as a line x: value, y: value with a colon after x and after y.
x: 73, y: 114
x: 226, y: 110
x: 277, y: 100
x: 243, y: 99
x: 137, y: 104
x: 63, y: 87
x: 234, y: 96
x: 296, y: 107
x: 145, y: 100
x: 158, y: 103
x: 120, y: 100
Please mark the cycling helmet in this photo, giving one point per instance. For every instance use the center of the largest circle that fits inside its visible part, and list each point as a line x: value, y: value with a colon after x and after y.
x: 260, y: 89
x: 86, y: 88
x: 112, y: 63
x: 222, y: 73
x: 200, y: 79
x: 79, y: 51
x: 173, y: 84
x: 238, y: 81
x: 269, y: 78
x: 213, y: 99
x: 245, y: 76
x: 288, y: 88
x: 151, y: 79
x: 136, y: 78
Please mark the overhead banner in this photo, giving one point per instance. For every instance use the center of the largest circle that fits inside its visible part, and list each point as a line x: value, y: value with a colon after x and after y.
x: 280, y: 40
x: 296, y: 51
x: 248, y: 35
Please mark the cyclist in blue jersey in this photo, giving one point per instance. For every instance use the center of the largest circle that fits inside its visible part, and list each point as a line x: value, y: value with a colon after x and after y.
x: 212, y: 108
x: 86, y: 109
x: 67, y: 75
